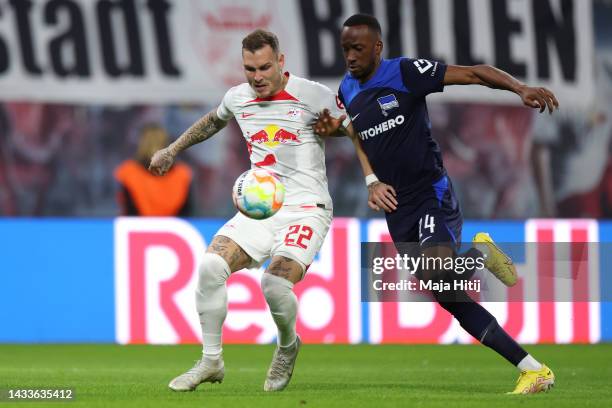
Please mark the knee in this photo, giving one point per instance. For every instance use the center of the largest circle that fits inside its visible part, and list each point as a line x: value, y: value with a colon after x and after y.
x: 213, y: 271
x: 274, y: 286
x: 286, y: 268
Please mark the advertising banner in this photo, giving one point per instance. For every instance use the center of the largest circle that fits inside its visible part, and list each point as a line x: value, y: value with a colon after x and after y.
x: 165, y: 51
x: 132, y: 281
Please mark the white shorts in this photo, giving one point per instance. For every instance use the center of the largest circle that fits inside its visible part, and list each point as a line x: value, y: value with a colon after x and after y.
x: 294, y: 232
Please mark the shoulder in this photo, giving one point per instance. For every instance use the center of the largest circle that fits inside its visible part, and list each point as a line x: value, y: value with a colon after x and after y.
x: 233, y: 99
x: 394, y: 62
x: 311, y: 93
x: 392, y: 70
x: 309, y: 87
x: 347, y: 81
x: 349, y: 87
x: 238, y: 91
x: 392, y: 66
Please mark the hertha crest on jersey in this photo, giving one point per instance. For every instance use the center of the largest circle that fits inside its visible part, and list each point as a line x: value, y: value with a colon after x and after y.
x: 387, y: 103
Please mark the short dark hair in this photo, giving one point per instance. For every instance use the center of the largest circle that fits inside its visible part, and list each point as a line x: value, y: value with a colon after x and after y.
x: 259, y: 39
x: 363, y: 19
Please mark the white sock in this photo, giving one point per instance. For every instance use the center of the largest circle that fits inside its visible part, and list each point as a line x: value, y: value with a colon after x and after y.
x: 211, y: 301
x: 283, y: 305
x: 529, y: 363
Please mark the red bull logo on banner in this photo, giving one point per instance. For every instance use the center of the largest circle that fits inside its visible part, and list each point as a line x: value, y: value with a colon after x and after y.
x: 156, y: 272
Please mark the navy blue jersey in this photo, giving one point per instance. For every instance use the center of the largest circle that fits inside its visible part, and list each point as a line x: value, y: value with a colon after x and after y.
x: 390, y: 115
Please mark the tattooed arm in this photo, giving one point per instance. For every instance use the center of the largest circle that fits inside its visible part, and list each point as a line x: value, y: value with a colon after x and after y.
x: 203, y: 129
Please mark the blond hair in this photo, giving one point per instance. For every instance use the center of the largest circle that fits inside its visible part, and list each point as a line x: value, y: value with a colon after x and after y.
x: 153, y: 137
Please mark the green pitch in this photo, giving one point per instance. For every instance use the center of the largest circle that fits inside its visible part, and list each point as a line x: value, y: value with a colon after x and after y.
x: 325, y: 376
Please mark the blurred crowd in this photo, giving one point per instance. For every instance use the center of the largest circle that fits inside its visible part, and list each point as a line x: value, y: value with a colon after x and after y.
x: 506, y: 162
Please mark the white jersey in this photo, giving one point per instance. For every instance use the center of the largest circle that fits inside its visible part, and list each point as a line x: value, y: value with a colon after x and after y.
x: 279, y: 135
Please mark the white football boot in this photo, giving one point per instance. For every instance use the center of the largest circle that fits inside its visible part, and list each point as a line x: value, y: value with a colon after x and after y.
x: 281, y: 368
x: 204, y: 370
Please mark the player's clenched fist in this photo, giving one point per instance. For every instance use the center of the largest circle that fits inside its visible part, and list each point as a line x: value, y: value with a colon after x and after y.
x: 161, y: 162
x: 539, y: 98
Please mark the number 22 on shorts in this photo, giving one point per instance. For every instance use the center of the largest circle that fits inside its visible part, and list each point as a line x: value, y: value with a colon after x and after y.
x: 297, y: 235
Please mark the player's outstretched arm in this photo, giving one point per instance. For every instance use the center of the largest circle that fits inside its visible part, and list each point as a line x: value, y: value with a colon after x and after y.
x: 533, y: 97
x: 380, y: 195
x: 203, y: 129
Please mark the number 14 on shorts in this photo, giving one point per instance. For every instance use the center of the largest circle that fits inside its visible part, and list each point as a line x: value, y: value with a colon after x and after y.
x: 298, y: 235
x: 426, y: 223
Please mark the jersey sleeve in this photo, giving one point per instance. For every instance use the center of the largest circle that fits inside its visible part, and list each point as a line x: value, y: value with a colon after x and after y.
x: 422, y: 76
x: 225, y: 109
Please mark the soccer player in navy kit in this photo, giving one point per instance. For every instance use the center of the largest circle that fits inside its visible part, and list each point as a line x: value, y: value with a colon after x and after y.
x: 386, y: 102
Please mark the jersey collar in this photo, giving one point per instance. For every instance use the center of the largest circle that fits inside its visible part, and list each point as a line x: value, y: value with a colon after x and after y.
x: 283, y: 95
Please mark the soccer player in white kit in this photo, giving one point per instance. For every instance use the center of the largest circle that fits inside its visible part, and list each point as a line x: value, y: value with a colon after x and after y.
x: 275, y: 111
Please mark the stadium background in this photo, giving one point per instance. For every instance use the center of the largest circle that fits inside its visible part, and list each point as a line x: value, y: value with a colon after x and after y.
x: 78, y: 79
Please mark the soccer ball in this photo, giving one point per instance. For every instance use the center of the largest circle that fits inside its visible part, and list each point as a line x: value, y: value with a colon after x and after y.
x: 258, y: 194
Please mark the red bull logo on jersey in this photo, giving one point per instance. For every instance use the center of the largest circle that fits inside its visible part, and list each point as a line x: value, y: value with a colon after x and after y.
x: 272, y: 135
x: 283, y: 136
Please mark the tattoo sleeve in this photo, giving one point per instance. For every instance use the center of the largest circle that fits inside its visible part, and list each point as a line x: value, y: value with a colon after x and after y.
x: 203, y: 129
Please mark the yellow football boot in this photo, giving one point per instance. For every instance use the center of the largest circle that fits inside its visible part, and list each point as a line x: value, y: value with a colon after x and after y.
x: 534, y: 381
x: 496, y: 261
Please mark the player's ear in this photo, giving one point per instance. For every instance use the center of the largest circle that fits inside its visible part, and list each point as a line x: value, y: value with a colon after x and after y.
x: 378, y: 48
x: 281, y: 62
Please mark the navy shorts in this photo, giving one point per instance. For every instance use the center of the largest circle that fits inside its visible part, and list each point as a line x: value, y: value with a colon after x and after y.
x: 434, y: 220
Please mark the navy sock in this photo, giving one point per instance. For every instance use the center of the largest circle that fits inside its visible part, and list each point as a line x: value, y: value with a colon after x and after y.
x: 496, y: 338
x: 482, y: 325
